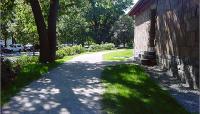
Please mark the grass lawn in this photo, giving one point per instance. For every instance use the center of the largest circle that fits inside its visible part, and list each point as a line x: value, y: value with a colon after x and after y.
x: 129, y: 90
x: 28, y: 74
x: 119, y: 55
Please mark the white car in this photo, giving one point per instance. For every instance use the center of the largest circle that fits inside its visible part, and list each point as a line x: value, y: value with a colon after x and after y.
x: 28, y: 47
x: 15, y: 48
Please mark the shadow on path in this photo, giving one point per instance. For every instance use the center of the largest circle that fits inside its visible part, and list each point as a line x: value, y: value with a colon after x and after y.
x: 71, y: 88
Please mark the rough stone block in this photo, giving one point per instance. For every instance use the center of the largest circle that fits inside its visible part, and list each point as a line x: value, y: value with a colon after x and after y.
x: 194, y: 53
x: 184, y: 51
x: 191, y: 40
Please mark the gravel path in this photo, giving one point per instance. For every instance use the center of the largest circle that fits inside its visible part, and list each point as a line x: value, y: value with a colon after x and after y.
x: 72, y: 88
x: 75, y: 88
x: 185, y: 96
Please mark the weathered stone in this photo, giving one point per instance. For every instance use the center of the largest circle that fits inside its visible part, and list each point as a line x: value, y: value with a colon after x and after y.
x: 177, y: 37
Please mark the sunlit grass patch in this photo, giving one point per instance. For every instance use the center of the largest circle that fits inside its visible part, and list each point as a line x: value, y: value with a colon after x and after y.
x: 129, y: 90
x: 120, y: 55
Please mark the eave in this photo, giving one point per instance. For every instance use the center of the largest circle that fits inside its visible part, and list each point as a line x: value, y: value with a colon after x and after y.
x: 140, y: 6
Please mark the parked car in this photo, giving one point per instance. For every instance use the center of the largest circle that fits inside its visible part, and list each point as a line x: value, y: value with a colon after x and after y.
x: 28, y: 47
x: 19, y: 47
x: 14, y: 48
x: 2, y: 48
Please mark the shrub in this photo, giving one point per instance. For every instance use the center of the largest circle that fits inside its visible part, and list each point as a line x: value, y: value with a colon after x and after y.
x: 24, y: 60
x: 94, y: 47
x: 10, y: 69
x: 8, y: 72
x: 60, y: 53
x: 97, y: 47
x: 130, y: 45
x: 79, y: 49
x: 68, y: 51
x: 108, y: 46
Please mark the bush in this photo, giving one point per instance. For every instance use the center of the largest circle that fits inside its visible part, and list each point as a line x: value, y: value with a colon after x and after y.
x: 60, y: 53
x: 8, y: 72
x: 108, y: 46
x: 24, y: 60
x: 94, y: 47
x: 10, y: 69
x: 68, y: 51
x: 97, y: 47
x: 79, y: 49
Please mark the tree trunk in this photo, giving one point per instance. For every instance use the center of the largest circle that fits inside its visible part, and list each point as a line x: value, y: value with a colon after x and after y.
x: 41, y: 28
x: 52, y: 29
x: 4, y: 33
x: 5, y: 41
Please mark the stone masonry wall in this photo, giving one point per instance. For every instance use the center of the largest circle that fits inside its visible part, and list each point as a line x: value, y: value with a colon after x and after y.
x: 177, y: 38
x: 141, y: 31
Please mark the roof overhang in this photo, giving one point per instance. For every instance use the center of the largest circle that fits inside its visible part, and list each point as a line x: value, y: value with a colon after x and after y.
x: 140, y: 6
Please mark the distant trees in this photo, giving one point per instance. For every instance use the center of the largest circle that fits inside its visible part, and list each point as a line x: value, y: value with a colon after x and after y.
x: 72, y: 26
x: 123, y: 31
x: 101, y: 16
x: 6, y: 9
x: 48, y: 23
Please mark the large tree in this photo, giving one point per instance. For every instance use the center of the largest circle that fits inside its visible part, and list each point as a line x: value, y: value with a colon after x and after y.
x: 78, y: 21
x: 6, y: 9
x: 23, y: 26
x: 123, y: 31
x: 102, y: 15
x: 47, y: 36
x: 72, y: 26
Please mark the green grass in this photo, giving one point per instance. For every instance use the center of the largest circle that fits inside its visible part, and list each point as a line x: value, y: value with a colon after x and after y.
x: 129, y: 90
x: 119, y: 55
x: 28, y: 74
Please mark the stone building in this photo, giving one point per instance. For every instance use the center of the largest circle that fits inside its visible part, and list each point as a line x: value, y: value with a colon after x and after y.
x: 167, y: 34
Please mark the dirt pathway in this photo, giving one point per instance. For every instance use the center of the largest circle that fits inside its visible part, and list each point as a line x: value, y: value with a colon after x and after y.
x: 72, y: 88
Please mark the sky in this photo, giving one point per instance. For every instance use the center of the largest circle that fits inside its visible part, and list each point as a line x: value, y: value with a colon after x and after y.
x: 134, y: 1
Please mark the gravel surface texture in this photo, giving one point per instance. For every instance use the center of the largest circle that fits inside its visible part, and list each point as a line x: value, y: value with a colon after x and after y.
x: 71, y: 88
x: 75, y: 88
x: 185, y: 96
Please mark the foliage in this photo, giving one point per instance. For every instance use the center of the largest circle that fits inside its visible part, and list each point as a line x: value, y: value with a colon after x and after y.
x: 79, y: 49
x: 78, y: 21
x: 129, y: 90
x: 119, y: 55
x: 101, y: 16
x: 72, y: 28
x: 123, y: 31
x: 18, y: 22
x: 60, y: 53
x: 68, y: 51
x: 100, y: 47
x: 94, y: 47
x: 6, y: 11
x: 11, y: 68
x: 107, y: 46
x: 8, y: 73
x: 24, y: 60
x: 24, y: 28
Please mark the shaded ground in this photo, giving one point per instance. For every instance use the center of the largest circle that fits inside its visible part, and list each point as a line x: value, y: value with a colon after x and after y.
x: 75, y: 88
x: 185, y: 96
x: 129, y: 90
x: 72, y: 88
